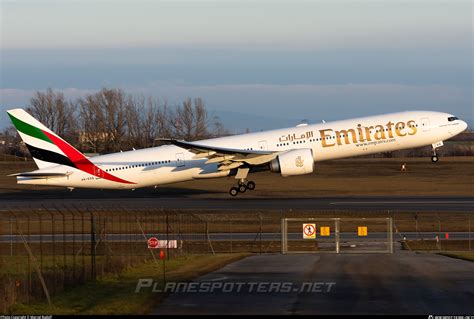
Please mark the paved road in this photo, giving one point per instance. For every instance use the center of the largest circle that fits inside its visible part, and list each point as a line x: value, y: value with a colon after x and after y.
x: 400, y: 283
x: 148, y: 199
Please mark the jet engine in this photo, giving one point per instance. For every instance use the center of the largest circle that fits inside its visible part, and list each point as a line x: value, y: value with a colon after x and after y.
x: 294, y: 162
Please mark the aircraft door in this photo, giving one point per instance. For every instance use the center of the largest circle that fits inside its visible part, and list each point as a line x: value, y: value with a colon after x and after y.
x: 262, y: 145
x: 425, y: 124
x: 180, y: 160
x: 98, y: 172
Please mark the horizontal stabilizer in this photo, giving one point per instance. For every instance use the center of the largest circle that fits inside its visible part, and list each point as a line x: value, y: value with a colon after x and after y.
x: 41, y: 175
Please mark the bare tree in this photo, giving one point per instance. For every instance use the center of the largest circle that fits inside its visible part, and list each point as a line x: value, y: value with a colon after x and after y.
x: 147, y: 119
x: 200, y: 120
x: 156, y: 121
x: 113, y: 104
x: 164, y: 119
x: 91, y: 124
x: 190, y: 120
x: 219, y: 128
x: 183, y: 120
x: 133, y: 116
x: 104, y: 120
x: 52, y: 109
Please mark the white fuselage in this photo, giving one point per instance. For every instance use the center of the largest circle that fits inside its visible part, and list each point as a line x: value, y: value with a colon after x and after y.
x: 332, y: 140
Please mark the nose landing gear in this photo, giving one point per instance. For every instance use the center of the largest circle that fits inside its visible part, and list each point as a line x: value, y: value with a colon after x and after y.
x: 435, y: 157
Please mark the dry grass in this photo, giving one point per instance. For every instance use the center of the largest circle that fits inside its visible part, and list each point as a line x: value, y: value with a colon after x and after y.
x: 432, y: 245
x: 115, y: 294
x: 460, y: 255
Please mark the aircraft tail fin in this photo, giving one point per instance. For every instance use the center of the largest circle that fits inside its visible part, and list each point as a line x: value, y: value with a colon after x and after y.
x: 46, y: 148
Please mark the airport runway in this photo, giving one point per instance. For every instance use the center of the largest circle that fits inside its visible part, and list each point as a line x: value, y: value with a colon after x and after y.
x: 248, y: 236
x: 183, y: 200
x: 400, y: 283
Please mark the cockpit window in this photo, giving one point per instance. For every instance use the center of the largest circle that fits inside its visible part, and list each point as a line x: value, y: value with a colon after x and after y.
x: 452, y: 118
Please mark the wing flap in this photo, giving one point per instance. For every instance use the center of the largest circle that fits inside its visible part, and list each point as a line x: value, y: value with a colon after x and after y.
x: 227, y: 158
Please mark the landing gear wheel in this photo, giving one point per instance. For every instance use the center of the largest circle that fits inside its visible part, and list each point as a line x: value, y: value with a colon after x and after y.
x: 234, y: 191
x: 251, y: 186
x: 434, y: 158
x: 242, y: 188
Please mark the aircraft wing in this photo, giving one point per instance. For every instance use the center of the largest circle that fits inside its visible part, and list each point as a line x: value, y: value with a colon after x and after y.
x: 228, y: 158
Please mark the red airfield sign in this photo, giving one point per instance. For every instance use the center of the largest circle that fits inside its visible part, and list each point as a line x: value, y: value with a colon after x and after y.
x: 152, y: 243
x: 309, y: 231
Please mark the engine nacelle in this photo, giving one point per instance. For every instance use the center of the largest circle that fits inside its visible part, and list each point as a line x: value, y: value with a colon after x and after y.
x: 294, y: 162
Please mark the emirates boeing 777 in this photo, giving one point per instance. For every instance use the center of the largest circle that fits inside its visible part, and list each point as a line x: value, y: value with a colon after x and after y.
x: 290, y: 151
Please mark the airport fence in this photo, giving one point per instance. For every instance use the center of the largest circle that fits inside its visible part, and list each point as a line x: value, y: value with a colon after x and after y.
x: 45, y: 251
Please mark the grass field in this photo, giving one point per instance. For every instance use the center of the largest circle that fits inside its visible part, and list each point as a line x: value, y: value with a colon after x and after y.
x: 460, y: 255
x: 349, y: 177
x: 115, y: 294
x: 432, y: 245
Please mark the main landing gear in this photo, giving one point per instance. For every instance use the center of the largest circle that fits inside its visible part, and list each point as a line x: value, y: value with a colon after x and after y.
x: 242, y: 187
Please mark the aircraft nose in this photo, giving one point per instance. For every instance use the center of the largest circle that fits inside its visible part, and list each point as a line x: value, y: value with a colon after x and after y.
x: 463, y: 126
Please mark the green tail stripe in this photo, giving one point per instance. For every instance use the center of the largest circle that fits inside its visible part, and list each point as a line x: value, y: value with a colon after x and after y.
x: 29, y: 129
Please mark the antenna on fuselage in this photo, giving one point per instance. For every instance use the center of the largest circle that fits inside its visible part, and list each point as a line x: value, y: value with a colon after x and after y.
x: 303, y: 123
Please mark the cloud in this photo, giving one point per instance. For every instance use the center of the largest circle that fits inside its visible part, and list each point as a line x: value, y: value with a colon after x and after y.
x: 332, y: 99
x: 441, y: 93
x: 21, y: 97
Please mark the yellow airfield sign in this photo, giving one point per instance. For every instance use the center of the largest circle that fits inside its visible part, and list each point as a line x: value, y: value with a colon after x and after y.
x: 325, y: 231
x: 362, y: 230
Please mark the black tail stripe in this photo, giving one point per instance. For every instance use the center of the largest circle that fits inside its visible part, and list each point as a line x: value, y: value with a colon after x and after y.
x: 49, y: 156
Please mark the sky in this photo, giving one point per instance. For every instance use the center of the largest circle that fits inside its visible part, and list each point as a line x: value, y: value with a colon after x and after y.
x: 276, y: 61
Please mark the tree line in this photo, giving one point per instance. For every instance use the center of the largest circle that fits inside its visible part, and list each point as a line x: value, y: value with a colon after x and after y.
x: 112, y: 120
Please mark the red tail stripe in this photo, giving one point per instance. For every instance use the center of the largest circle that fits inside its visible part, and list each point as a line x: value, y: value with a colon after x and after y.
x: 81, y: 162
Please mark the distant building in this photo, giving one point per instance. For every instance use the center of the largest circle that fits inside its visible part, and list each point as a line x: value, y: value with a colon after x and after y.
x: 85, y: 137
